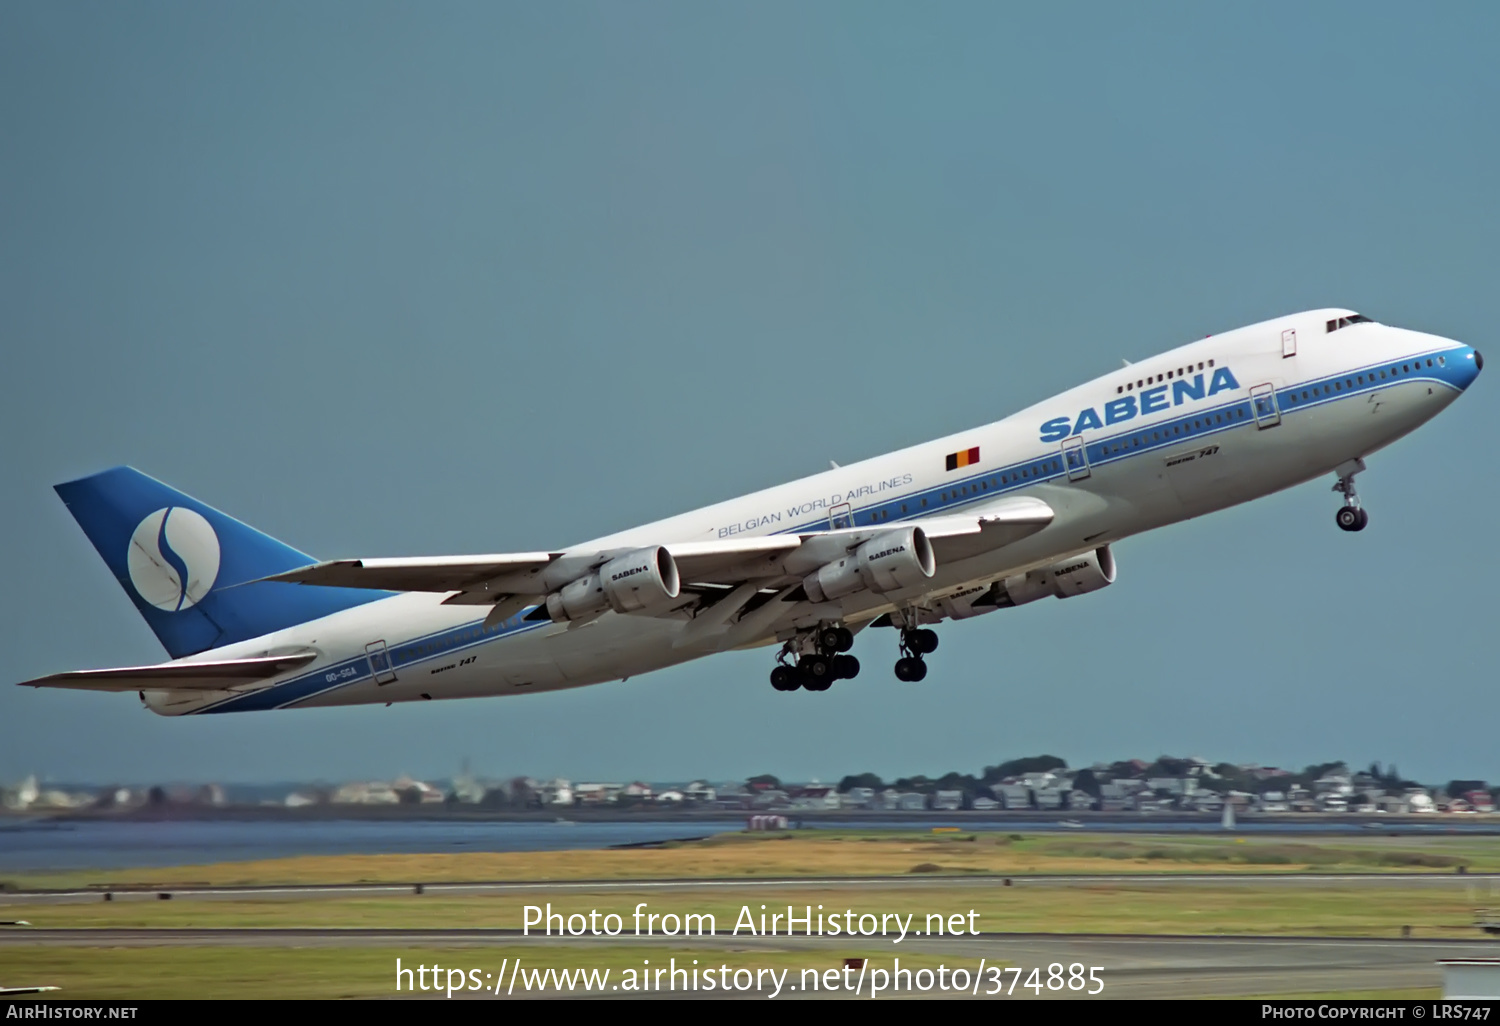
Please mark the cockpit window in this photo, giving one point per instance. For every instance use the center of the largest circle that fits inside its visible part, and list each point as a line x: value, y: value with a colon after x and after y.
x: 1344, y: 322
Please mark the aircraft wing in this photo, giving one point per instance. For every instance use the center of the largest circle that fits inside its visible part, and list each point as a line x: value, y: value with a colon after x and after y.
x: 1006, y: 521
x: 419, y: 573
x: 207, y: 675
x: 510, y: 582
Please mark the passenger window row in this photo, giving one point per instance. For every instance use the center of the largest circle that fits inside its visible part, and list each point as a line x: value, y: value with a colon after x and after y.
x: 1386, y: 374
x: 442, y: 644
x: 1180, y: 372
x: 1168, y: 432
x: 1031, y: 472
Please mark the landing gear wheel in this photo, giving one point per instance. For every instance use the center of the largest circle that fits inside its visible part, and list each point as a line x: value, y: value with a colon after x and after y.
x: 924, y: 641
x: 817, y: 673
x: 1353, y: 516
x: 910, y: 668
x: 845, y: 667
x: 835, y: 639
x: 784, y: 678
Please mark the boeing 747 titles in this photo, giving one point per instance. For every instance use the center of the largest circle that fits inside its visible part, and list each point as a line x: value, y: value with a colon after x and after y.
x: 1009, y: 513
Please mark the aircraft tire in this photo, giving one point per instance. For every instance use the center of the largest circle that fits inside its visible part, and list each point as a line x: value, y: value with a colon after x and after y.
x: 845, y: 667
x: 925, y: 641
x: 784, y: 678
x: 1348, y: 518
x: 906, y: 668
x: 817, y: 672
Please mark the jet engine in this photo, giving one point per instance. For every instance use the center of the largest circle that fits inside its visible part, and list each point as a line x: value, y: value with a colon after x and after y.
x: 625, y: 584
x: 1076, y: 575
x: 887, y: 562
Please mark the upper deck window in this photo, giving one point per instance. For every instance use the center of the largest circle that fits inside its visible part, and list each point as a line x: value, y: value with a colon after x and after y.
x: 1344, y: 322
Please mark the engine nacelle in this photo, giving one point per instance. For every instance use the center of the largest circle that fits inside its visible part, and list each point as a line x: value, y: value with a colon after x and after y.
x: 967, y: 603
x: 1076, y: 575
x: 888, y: 562
x: 625, y: 584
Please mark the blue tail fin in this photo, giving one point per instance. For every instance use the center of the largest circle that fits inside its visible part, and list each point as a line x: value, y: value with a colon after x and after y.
x: 186, y: 566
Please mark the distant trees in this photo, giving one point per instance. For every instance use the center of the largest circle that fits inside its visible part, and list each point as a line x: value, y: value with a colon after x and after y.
x: 1023, y: 766
x: 765, y: 780
x: 1168, y: 766
x: 1459, y: 788
x: 1086, y: 782
x: 1391, y: 779
x: 870, y: 780
x: 514, y: 794
x: 916, y: 783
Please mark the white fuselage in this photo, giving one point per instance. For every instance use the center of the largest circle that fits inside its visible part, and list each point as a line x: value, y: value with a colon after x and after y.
x: 1232, y: 417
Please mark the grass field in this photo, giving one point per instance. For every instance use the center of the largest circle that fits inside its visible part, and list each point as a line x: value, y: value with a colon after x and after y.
x: 238, y: 973
x: 947, y: 864
x: 1332, y: 910
x: 248, y: 973
x: 842, y: 853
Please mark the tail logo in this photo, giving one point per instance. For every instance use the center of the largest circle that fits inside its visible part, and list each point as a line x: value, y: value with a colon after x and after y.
x: 173, y: 558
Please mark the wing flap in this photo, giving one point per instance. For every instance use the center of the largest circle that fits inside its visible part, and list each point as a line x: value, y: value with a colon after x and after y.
x: 205, y: 675
x: 991, y: 527
x: 421, y: 573
x: 731, y: 562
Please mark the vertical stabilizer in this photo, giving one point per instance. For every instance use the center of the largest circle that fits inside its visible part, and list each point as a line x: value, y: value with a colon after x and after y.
x: 187, y: 567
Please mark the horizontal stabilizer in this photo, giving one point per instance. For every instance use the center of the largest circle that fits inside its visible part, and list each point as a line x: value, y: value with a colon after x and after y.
x: 208, y: 675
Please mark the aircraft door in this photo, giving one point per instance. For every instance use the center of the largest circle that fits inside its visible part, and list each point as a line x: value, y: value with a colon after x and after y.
x: 1075, y: 459
x: 1263, y: 406
x: 1289, y: 343
x: 840, y: 516
x: 380, y: 662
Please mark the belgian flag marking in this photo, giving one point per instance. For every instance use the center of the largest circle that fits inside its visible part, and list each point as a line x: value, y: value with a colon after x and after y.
x: 966, y: 458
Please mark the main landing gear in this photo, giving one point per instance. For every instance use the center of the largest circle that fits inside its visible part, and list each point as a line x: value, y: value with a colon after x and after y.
x: 915, y: 643
x: 822, y: 661
x: 1352, y: 517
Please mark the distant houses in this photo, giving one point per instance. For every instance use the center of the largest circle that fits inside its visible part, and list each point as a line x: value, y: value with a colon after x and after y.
x: 1041, y: 785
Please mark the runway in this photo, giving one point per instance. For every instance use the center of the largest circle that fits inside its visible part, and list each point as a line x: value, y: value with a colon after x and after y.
x: 1135, y: 966
x: 1487, y: 881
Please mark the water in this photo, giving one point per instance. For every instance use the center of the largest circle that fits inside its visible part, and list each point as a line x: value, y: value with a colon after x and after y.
x: 125, y: 844
x: 110, y: 844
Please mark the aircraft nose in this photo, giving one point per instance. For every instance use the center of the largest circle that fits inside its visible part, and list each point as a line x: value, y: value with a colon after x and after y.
x: 1469, y: 366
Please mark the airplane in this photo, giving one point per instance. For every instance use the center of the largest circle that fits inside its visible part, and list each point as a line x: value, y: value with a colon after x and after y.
x: 1027, y: 507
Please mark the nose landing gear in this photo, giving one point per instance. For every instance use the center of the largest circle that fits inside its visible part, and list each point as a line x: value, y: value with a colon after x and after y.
x: 1352, y: 517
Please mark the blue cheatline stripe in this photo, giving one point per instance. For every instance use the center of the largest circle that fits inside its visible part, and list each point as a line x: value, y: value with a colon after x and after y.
x: 407, y: 654
x: 1049, y: 466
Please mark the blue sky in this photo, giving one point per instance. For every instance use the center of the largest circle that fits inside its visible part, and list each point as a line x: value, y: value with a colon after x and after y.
x: 400, y: 279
